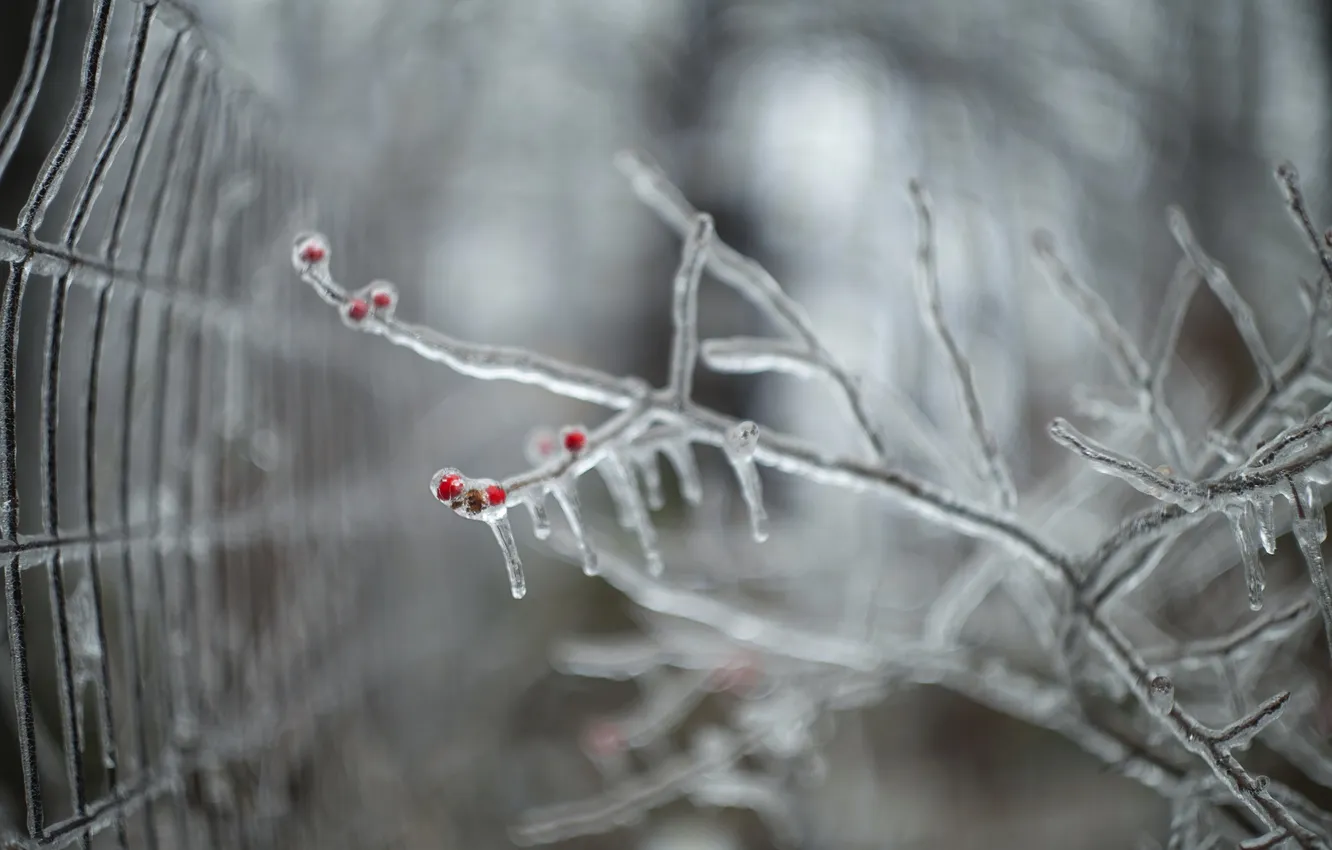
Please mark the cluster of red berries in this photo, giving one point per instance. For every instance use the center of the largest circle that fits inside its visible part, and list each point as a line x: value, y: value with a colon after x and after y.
x: 472, y: 498
x: 453, y: 486
x: 381, y: 298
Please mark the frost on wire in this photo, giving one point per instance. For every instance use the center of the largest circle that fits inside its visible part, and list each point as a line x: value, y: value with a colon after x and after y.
x: 782, y: 679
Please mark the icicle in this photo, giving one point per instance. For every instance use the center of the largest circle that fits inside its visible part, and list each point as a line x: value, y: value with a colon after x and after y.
x: 1263, y: 510
x: 633, y: 513
x: 1243, y: 523
x: 567, y: 498
x: 1310, y: 530
x: 1314, y: 504
x: 681, y: 457
x: 504, y: 534
x: 646, y: 464
x: 623, y: 490
x: 540, y: 522
x: 741, y: 443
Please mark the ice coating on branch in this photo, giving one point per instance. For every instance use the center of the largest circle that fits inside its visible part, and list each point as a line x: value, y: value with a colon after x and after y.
x: 1154, y: 483
x: 1310, y: 530
x: 681, y: 457
x: 485, y: 500
x: 1244, y: 523
x: 632, y: 511
x: 741, y: 444
x: 1161, y: 694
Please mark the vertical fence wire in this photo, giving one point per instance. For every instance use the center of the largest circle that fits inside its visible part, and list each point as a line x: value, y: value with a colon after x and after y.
x: 152, y: 598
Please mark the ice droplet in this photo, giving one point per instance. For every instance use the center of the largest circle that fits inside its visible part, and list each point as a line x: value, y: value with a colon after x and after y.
x: 1260, y: 783
x: 742, y: 440
x: 1243, y: 523
x: 741, y: 444
x: 1161, y: 694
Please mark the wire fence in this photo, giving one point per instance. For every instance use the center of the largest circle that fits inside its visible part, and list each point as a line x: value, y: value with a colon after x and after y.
x: 157, y: 492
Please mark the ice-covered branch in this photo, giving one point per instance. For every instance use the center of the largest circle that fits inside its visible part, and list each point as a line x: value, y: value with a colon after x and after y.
x: 1289, y: 181
x: 931, y: 309
x: 684, y: 309
x: 1123, y: 352
x: 665, y: 421
x: 1240, y: 311
x: 650, y: 184
x: 1270, y: 628
x: 1153, y: 482
x: 1145, y: 381
x: 626, y: 802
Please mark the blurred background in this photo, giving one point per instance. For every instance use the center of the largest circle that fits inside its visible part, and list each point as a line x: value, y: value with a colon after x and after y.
x: 301, y: 648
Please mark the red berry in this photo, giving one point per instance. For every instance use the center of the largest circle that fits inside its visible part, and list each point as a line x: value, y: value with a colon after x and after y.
x: 739, y: 675
x: 357, y: 309
x: 495, y: 494
x: 603, y: 738
x: 382, y: 299
x: 575, y: 440
x: 450, y: 488
x: 313, y: 253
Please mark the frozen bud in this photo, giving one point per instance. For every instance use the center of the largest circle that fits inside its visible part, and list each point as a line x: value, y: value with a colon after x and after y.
x: 574, y: 439
x: 481, y: 498
x: 1161, y: 694
x: 310, y: 249
x: 541, y: 445
x: 383, y: 297
x: 603, y: 738
x: 1260, y: 783
x: 448, y: 484
x: 355, y: 311
x: 742, y: 440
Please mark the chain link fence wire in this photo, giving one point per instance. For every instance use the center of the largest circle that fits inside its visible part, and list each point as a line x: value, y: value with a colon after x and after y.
x: 159, y: 506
